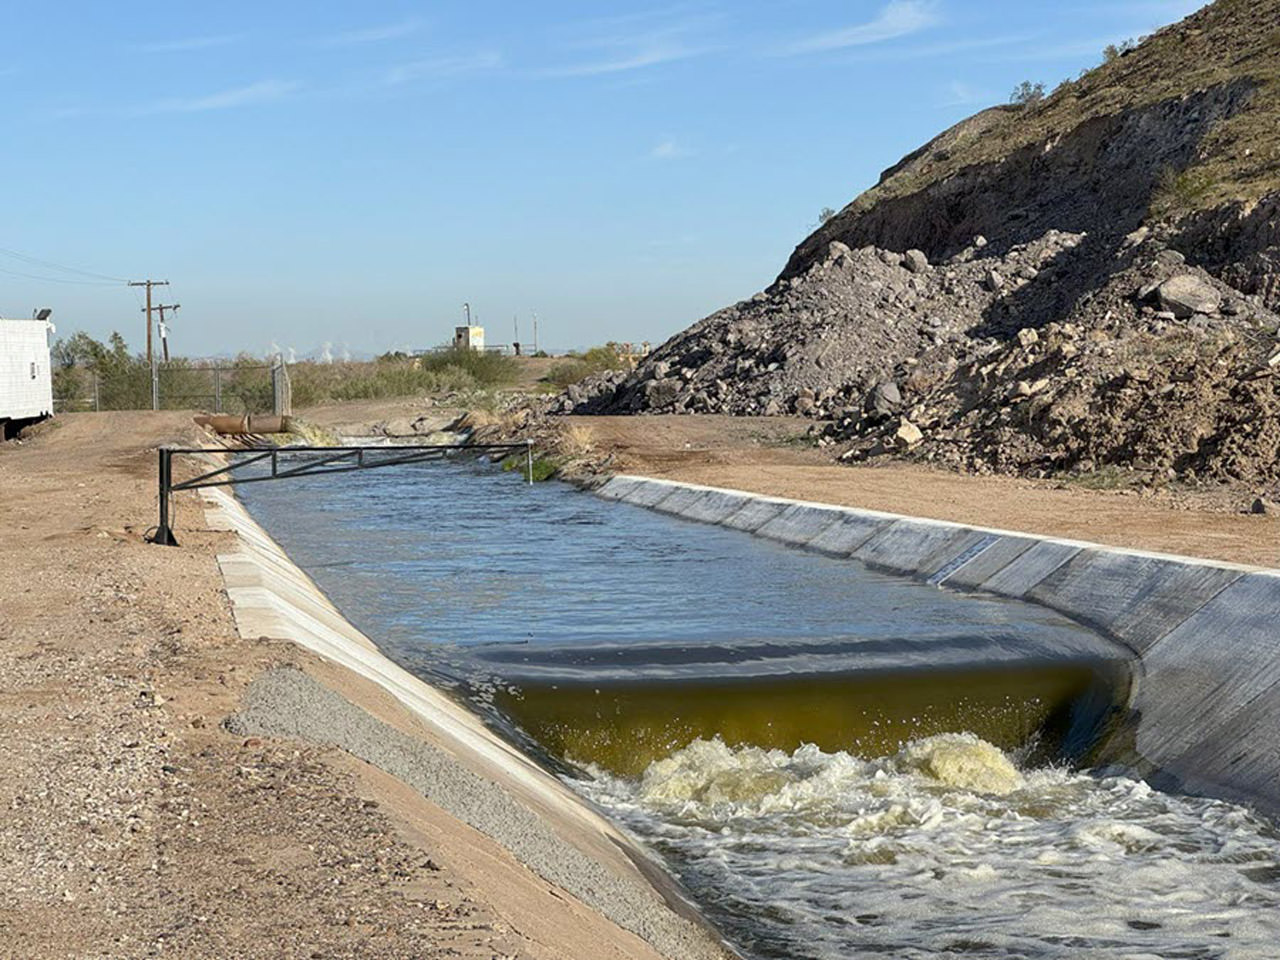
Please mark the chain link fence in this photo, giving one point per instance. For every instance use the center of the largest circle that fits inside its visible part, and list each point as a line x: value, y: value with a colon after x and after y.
x: 238, y: 388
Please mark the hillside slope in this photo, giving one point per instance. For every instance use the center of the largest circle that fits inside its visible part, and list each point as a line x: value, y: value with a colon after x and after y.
x: 1090, y: 280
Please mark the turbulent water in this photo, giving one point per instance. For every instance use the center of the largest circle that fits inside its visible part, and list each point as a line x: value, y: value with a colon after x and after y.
x: 947, y: 848
x: 836, y: 763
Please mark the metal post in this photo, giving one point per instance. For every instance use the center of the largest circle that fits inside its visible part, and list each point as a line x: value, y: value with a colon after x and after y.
x: 155, y: 385
x: 528, y: 454
x: 97, y: 402
x: 217, y: 389
x: 164, y: 535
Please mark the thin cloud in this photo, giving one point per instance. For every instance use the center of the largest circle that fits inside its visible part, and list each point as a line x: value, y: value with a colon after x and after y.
x: 375, y: 34
x: 921, y: 51
x: 635, y: 42
x: 443, y: 67
x: 669, y: 149
x: 266, y: 91
x: 960, y: 94
x: 187, y: 44
x: 899, y: 18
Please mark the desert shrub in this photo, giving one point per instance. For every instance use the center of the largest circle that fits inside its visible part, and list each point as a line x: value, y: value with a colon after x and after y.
x: 1114, y: 51
x: 578, y: 366
x: 1178, y: 192
x: 1027, y: 93
x: 486, y: 368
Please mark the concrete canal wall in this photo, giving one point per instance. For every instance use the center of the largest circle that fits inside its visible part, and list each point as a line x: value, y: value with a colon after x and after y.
x: 1205, y: 636
x: 445, y: 753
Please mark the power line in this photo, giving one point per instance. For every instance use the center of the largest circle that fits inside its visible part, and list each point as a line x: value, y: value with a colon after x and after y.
x: 51, y: 265
x: 83, y: 283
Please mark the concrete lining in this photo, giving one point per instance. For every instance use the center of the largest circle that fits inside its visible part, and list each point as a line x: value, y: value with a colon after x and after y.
x: 1204, y: 636
x: 798, y: 523
x: 714, y: 506
x: 1135, y: 598
x: 846, y: 535
x: 454, y: 760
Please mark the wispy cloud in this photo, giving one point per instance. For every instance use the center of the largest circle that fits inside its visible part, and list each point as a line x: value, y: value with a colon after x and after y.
x: 374, y: 34
x: 961, y: 94
x: 265, y: 91
x: 187, y: 44
x: 898, y: 18
x: 669, y: 149
x: 633, y: 42
x: 921, y: 51
x: 443, y: 67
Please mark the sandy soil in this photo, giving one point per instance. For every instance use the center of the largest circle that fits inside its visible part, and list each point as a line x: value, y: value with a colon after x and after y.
x: 768, y: 456
x: 135, y: 825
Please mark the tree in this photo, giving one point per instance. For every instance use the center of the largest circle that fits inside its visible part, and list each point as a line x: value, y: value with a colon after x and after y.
x: 826, y: 215
x: 1027, y: 93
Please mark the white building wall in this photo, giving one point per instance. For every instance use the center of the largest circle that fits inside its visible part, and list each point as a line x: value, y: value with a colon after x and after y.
x: 26, y: 384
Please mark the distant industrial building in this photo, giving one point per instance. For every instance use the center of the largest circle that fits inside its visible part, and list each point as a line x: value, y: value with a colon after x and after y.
x: 26, y: 377
x: 468, y: 337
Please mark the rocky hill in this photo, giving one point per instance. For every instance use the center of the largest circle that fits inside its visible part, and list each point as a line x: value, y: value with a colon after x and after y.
x: 1089, y: 280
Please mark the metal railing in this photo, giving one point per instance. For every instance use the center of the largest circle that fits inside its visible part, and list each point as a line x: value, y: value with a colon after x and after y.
x: 315, y: 461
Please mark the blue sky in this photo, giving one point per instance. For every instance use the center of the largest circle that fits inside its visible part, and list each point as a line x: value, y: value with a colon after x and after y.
x: 351, y: 173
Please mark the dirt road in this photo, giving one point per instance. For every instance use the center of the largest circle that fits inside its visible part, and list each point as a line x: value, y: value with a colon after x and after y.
x: 135, y: 825
x: 768, y: 455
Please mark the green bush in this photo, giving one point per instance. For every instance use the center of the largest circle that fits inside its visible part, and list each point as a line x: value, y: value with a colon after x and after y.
x: 487, y: 369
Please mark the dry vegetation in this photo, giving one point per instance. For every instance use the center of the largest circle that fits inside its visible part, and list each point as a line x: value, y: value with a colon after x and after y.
x: 1238, y: 161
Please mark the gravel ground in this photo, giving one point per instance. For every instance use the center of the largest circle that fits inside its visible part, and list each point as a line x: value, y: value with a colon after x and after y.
x: 135, y: 825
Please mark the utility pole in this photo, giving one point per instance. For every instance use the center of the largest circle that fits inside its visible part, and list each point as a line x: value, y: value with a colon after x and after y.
x: 535, y: 334
x: 164, y: 331
x: 148, y: 284
x: 515, y: 344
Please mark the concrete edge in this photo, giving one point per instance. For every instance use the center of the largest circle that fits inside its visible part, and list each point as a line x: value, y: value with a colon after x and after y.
x: 457, y: 763
x: 1203, y: 635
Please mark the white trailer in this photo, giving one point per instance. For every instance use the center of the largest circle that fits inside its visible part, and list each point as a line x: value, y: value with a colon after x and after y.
x: 26, y: 380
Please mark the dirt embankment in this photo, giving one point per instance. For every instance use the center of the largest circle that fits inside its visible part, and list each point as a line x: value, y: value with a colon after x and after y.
x: 770, y: 456
x: 135, y: 825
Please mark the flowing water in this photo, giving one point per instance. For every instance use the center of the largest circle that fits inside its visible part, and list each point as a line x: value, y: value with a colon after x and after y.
x: 835, y: 762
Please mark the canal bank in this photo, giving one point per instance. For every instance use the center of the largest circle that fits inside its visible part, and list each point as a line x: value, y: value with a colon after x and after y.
x: 1205, y: 702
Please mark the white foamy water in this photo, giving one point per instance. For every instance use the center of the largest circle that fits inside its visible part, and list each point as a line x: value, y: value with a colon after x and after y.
x: 949, y: 849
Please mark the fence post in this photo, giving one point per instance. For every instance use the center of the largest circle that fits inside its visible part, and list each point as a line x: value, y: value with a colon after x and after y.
x: 164, y: 535
x: 217, y: 389
x: 97, y: 402
x: 155, y: 385
x: 528, y: 456
x: 281, y: 389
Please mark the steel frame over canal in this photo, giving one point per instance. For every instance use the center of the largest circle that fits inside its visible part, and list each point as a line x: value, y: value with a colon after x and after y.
x: 324, y: 460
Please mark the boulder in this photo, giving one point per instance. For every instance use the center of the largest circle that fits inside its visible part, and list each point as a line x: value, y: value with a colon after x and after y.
x: 399, y: 427
x: 1186, y: 295
x: 907, y: 435
x: 993, y: 280
x: 915, y: 261
x: 884, y: 399
x: 663, y: 392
